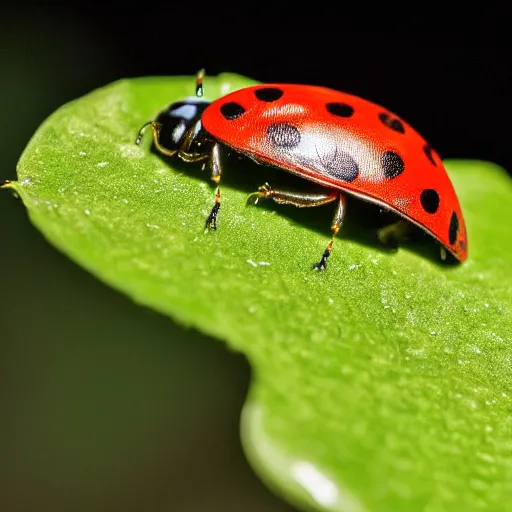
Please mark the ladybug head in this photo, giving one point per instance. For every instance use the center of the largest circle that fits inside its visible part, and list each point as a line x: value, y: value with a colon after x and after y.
x: 178, y: 120
x: 177, y: 128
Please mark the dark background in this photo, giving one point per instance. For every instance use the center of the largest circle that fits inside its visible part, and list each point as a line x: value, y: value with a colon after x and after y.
x: 108, y: 406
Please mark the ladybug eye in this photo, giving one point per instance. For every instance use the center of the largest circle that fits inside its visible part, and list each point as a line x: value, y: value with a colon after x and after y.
x: 268, y: 94
x: 232, y: 110
x: 178, y: 132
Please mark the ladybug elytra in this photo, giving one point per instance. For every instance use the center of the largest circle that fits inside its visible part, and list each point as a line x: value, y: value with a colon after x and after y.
x: 340, y: 142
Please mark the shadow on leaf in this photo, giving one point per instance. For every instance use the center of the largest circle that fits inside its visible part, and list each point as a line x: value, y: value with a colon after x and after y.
x: 361, y: 223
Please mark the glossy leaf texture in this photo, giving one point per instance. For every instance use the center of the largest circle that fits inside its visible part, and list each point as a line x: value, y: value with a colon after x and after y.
x: 382, y: 384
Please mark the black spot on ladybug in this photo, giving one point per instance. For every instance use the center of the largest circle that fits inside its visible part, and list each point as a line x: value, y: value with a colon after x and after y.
x: 392, y: 164
x: 340, y: 109
x: 268, y: 94
x: 392, y: 122
x: 232, y: 110
x: 429, y: 200
x: 283, y: 135
x: 453, y: 229
x: 341, y: 166
x: 428, y: 151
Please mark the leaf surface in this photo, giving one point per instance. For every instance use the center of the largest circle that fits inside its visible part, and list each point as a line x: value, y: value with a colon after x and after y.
x: 382, y: 384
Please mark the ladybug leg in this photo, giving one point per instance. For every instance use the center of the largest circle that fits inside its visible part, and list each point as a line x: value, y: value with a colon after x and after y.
x: 336, y: 225
x: 190, y: 136
x: 394, y: 234
x: 216, y: 170
x: 305, y: 200
x: 298, y: 199
x: 199, y: 82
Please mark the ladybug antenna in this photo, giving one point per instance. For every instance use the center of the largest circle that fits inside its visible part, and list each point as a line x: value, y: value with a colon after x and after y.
x: 138, y: 140
x: 199, y: 82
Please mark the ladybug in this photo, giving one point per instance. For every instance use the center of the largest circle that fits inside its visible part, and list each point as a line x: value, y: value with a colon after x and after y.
x: 340, y: 142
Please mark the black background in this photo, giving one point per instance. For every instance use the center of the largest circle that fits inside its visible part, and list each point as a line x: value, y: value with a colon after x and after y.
x: 454, y: 87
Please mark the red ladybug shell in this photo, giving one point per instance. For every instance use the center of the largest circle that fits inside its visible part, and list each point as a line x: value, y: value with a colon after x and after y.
x: 343, y: 142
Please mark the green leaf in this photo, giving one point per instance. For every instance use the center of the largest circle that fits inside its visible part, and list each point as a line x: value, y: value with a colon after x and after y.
x: 382, y: 384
